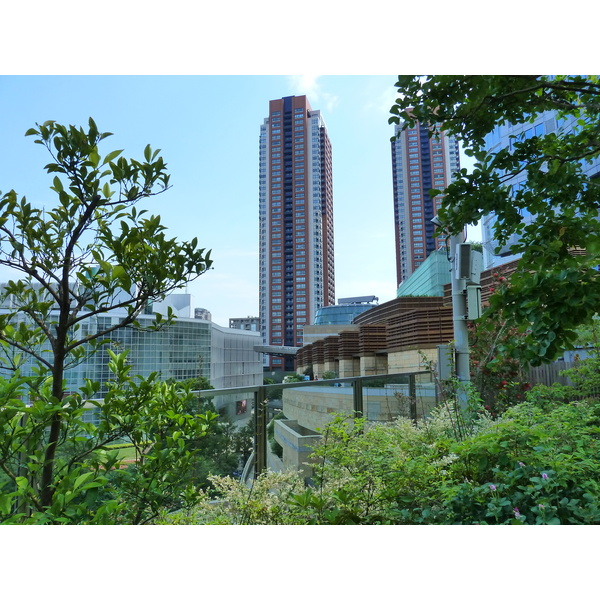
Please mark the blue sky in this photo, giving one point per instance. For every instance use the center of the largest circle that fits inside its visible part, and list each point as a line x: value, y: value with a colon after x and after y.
x: 207, y: 127
x: 204, y: 123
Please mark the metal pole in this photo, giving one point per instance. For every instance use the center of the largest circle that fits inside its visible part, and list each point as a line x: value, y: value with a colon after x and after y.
x: 412, y: 394
x: 260, y: 431
x: 357, y: 397
x: 461, y: 331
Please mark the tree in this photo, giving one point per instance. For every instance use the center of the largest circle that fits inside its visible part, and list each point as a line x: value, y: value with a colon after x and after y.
x: 92, y: 253
x: 555, y: 288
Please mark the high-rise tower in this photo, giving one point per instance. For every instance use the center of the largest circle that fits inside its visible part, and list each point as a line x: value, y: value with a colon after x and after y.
x: 296, y: 223
x: 419, y: 163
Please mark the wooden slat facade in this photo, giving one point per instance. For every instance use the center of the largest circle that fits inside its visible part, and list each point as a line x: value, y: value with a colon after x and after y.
x: 420, y: 328
x: 349, y: 347
x: 372, y: 339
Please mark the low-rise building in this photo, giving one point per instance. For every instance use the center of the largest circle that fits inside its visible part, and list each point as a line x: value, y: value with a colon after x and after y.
x: 186, y: 349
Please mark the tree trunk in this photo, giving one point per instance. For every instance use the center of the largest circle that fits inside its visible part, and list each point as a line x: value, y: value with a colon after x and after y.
x: 47, y: 487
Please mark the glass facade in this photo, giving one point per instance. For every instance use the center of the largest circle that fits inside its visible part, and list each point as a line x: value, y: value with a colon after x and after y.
x: 429, y: 279
x: 502, y: 137
x: 186, y: 349
x: 340, y: 314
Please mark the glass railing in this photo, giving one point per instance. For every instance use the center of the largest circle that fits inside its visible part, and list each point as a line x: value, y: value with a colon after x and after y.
x: 306, y: 407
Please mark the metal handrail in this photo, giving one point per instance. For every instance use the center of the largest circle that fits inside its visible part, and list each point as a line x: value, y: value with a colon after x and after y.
x: 260, y: 403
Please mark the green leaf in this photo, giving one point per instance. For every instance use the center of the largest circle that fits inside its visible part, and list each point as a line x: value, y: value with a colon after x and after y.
x: 5, y: 503
x: 94, y: 157
x: 111, y: 156
x: 81, y: 479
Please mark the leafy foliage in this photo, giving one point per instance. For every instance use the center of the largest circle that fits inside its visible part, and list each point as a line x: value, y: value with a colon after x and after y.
x: 91, y: 482
x: 91, y: 253
x: 554, y: 289
x: 534, y: 465
x: 500, y: 379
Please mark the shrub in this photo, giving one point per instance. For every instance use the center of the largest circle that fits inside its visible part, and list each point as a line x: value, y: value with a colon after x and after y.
x: 534, y: 465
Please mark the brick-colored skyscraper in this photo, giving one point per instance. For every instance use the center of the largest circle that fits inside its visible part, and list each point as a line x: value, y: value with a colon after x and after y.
x: 296, y: 223
x: 419, y: 163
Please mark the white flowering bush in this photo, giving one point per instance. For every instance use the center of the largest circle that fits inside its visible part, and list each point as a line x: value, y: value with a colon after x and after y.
x: 533, y: 466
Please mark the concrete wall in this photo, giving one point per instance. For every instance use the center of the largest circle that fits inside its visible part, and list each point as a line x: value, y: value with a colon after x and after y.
x: 313, y: 333
x: 409, y: 361
x: 319, y: 369
x: 297, y: 443
x: 374, y: 365
x: 313, y: 408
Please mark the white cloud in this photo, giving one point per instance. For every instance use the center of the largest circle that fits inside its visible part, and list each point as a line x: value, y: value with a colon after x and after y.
x: 384, y: 101
x: 310, y: 86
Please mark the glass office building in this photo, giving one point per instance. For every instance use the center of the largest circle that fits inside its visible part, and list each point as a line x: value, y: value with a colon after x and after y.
x: 502, y: 137
x: 186, y: 349
x: 345, y: 311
